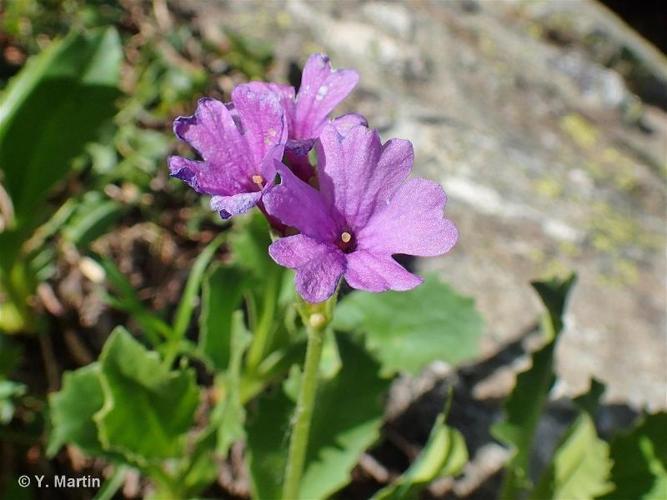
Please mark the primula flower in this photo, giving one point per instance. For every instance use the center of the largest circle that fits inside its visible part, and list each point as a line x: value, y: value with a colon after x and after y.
x: 307, y: 112
x: 364, y: 213
x: 238, y: 143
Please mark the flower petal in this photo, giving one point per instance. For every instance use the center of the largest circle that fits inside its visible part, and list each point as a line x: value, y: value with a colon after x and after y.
x: 286, y: 95
x: 321, y: 90
x: 393, y: 168
x: 296, y: 154
x: 347, y: 122
x: 212, y: 131
x: 228, y: 206
x: 262, y: 118
x: 376, y: 273
x: 268, y: 167
x: 318, y: 266
x: 300, y: 147
x: 357, y: 174
x: 344, y: 165
x: 299, y: 164
x: 411, y: 223
x: 186, y: 170
x: 298, y: 205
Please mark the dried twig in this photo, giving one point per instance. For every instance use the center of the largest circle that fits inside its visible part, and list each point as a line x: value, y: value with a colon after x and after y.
x: 48, y: 298
x: 162, y: 15
x: 78, y: 349
x: 50, y: 363
x: 374, y: 469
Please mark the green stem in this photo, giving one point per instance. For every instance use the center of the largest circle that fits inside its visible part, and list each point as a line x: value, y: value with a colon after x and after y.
x: 303, y: 414
x: 167, y: 488
x: 112, y: 485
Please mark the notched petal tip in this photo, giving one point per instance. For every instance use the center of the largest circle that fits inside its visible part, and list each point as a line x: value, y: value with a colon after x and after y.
x: 182, y: 124
x: 322, y: 89
x: 345, y: 123
x: 320, y: 59
x: 184, y: 169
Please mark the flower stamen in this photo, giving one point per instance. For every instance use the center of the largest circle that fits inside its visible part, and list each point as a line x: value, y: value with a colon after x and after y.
x: 258, y: 179
x: 346, y: 242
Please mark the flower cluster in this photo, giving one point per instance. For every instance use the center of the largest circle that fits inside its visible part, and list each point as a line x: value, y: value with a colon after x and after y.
x: 353, y: 211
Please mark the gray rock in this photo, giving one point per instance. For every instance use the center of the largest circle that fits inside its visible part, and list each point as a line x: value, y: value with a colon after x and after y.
x: 550, y: 160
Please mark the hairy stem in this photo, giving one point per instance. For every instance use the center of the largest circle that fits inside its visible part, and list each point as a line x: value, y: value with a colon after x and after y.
x: 303, y: 414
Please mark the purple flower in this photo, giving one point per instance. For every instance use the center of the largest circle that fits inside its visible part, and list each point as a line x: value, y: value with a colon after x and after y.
x: 364, y: 213
x: 322, y: 89
x: 238, y: 144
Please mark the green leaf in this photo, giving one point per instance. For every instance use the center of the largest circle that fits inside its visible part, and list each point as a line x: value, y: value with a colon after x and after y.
x: 112, y: 484
x: 10, y: 488
x: 268, y: 434
x: 9, y: 391
x: 590, y: 401
x: 444, y: 454
x: 273, y: 368
x: 338, y: 438
x: 249, y: 243
x: 231, y: 416
x: 640, y: 461
x: 188, y: 299
x: 580, y: 466
x: 222, y: 294
x: 202, y: 471
x: 266, y: 303
x: 147, y: 408
x: 72, y: 409
x: 346, y: 421
x: 554, y: 294
x: 525, y: 404
x: 91, y: 219
x: 435, y: 323
x: 225, y: 425
x: 51, y: 109
x: 10, y: 355
x: 152, y: 325
x: 523, y: 409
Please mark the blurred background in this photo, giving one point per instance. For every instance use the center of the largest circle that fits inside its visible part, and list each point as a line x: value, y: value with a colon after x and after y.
x: 545, y: 122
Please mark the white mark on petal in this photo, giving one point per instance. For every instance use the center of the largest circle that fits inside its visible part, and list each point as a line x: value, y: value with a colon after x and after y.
x: 322, y: 92
x: 270, y: 136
